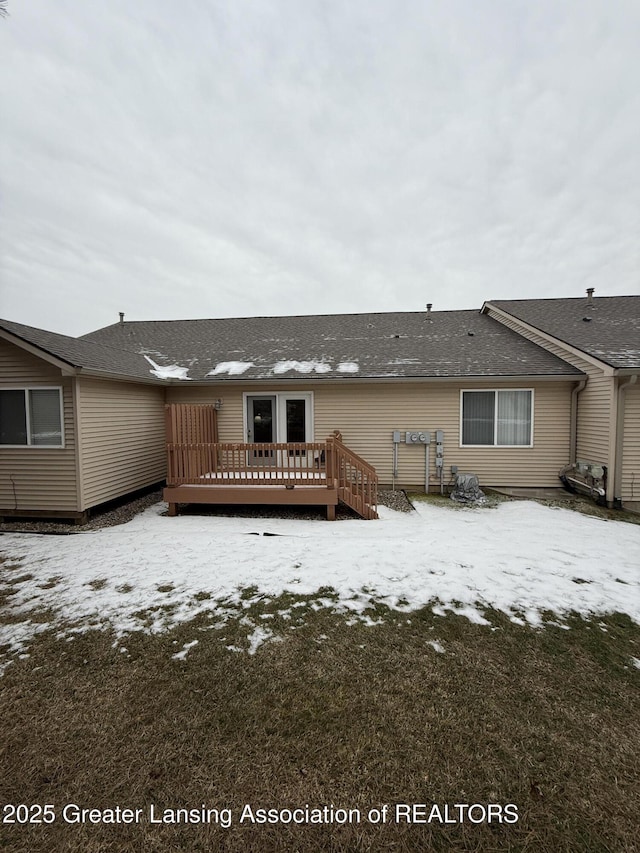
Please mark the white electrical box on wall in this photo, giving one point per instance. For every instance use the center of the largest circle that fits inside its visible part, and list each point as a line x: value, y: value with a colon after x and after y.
x: 418, y: 437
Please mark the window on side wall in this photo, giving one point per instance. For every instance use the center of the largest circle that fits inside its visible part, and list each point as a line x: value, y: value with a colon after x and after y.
x: 31, y: 417
x: 497, y: 418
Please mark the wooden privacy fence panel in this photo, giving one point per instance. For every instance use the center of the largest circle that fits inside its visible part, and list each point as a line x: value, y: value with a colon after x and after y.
x: 191, y: 424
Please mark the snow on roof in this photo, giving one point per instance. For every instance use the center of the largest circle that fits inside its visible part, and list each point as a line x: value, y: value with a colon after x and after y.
x: 348, y: 367
x: 171, y: 371
x: 233, y: 368
x: 301, y: 367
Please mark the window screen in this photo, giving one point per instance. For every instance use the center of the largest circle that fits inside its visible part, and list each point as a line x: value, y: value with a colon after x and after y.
x: 44, y: 417
x: 514, y: 417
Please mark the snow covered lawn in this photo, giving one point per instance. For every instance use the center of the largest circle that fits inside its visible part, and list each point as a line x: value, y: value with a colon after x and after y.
x: 519, y: 557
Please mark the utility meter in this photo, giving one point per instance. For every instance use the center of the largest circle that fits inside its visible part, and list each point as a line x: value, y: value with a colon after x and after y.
x: 418, y: 437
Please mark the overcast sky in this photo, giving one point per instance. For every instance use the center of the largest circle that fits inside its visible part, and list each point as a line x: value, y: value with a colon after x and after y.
x: 245, y: 157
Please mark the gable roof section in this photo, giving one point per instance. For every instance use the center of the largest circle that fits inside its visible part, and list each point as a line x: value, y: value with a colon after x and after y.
x: 337, y: 346
x: 76, y: 352
x: 608, y: 328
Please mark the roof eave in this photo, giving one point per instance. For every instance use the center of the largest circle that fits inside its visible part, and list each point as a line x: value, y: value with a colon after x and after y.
x: 66, y: 367
x: 95, y: 373
x: 359, y: 380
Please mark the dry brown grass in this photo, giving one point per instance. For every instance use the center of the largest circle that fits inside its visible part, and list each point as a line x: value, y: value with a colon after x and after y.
x: 334, y: 713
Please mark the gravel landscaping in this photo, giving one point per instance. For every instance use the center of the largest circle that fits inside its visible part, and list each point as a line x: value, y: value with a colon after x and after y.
x: 110, y: 516
x: 126, y: 511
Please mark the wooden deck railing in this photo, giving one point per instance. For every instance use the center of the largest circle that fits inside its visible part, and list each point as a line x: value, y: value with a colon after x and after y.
x: 247, y: 464
x: 357, y: 480
x: 318, y: 463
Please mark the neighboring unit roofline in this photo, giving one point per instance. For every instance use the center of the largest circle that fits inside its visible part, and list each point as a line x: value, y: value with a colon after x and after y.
x: 572, y: 348
x: 86, y: 352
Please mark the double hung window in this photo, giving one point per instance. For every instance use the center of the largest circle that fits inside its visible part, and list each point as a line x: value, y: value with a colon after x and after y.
x: 497, y: 418
x: 31, y: 417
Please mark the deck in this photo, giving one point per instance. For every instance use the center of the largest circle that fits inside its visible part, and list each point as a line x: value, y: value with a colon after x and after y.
x: 320, y: 473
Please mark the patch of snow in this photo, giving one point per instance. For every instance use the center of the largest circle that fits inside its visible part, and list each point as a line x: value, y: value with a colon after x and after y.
x: 185, y: 650
x: 469, y: 611
x: 518, y: 557
x: 436, y: 646
x: 301, y: 367
x: 171, y: 371
x: 369, y: 622
x: 348, y: 367
x: 233, y: 368
x: 17, y: 637
x: 258, y: 637
x: 636, y: 662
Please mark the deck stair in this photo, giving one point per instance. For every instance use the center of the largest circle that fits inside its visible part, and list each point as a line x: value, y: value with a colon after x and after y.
x: 357, y: 480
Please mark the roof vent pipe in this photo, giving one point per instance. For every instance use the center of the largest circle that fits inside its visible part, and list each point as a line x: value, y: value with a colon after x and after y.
x: 590, y: 295
x: 122, y: 318
x: 429, y: 306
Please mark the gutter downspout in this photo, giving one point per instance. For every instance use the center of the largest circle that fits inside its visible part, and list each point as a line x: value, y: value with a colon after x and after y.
x: 573, y: 429
x: 617, y: 482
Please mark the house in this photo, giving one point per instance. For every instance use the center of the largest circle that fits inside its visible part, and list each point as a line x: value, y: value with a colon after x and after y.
x: 513, y: 392
x: 601, y: 338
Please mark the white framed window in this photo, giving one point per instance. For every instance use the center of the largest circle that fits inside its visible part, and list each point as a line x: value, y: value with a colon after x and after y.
x: 31, y: 417
x: 496, y: 418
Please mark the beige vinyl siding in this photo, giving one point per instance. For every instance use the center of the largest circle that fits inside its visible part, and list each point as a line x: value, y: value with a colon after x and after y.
x: 595, y: 402
x: 123, y: 442
x: 37, y: 478
x: 631, y: 449
x: 367, y: 414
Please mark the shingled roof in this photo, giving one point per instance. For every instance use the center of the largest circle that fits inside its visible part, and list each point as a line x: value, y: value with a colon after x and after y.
x: 605, y: 327
x: 78, y: 352
x: 335, y: 346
